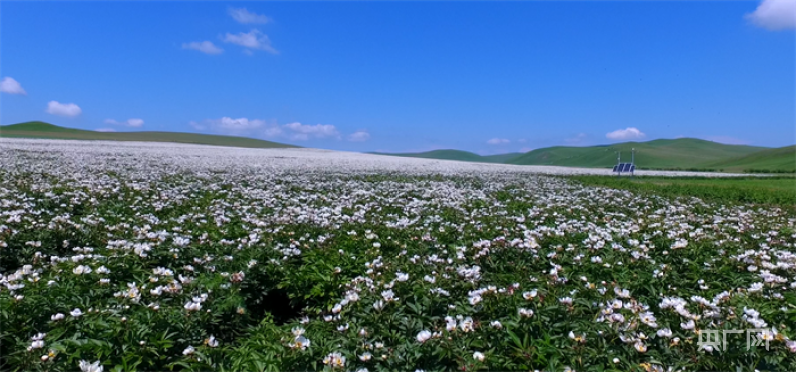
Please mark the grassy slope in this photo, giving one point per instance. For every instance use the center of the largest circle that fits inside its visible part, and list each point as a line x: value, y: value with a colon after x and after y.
x: 444, y: 155
x: 503, y: 158
x: 37, y: 129
x: 779, y: 190
x: 783, y: 159
x: 677, y: 153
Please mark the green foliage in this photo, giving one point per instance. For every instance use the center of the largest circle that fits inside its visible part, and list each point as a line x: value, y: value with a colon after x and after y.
x: 752, y: 190
x: 310, y: 244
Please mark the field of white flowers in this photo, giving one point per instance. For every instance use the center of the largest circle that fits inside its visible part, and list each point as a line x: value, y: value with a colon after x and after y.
x: 156, y: 257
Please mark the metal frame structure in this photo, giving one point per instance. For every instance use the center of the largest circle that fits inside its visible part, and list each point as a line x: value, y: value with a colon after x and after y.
x: 620, y: 167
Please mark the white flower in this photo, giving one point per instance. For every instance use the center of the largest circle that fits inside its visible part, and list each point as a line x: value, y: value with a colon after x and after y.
x: 496, y: 324
x: 76, y: 312
x: 467, y: 324
x: 756, y: 287
x: 80, y: 269
x: 85, y: 366
x: 665, y: 332
x: 193, y: 306
x: 423, y: 336
x: 389, y: 295
x: 188, y: 350
x: 56, y: 317
x: 300, y: 342
x: 689, y: 325
x: 337, y: 308
x: 529, y: 295
x: 335, y: 360
x: 479, y: 356
x: 401, y: 277
x: 366, y: 356
x: 525, y: 312
x: 212, y: 342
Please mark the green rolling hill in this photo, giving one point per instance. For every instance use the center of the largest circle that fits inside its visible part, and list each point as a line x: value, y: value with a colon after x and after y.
x: 458, y: 155
x: 780, y: 159
x: 681, y: 153
x: 663, y: 153
x: 38, y: 129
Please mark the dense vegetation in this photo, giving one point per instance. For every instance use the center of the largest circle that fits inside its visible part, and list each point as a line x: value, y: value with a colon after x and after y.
x: 754, y: 190
x: 149, y: 258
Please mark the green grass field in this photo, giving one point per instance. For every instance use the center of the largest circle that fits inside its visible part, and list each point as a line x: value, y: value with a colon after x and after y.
x: 783, y: 158
x: 779, y: 190
x: 38, y: 129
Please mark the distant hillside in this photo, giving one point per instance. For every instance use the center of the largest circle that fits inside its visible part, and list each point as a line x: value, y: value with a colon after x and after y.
x: 458, y: 155
x: 38, y: 129
x: 681, y: 153
x: 665, y: 153
x: 781, y: 159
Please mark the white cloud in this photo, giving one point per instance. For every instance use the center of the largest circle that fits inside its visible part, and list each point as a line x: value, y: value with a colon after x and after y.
x: 625, y: 134
x: 230, y: 126
x: 262, y: 128
x: 11, y: 86
x: 244, y: 16
x: 206, y: 47
x: 303, y: 132
x: 254, y: 39
x: 134, y: 123
x: 359, y: 136
x: 579, y: 138
x: 63, y: 109
x: 774, y: 15
x: 104, y: 130
x: 240, y: 124
x: 498, y: 141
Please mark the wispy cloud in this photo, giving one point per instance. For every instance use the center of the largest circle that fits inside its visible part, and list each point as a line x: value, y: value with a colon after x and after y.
x: 774, y: 15
x: 63, y: 109
x: 625, y: 134
x: 359, y: 136
x: 498, y: 141
x: 104, y: 130
x: 11, y: 86
x: 303, y: 132
x: 242, y: 15
x: 577, y: 139
x: 265, y: 129
x: 133, y: 123
x: 253, y: 40
x: 206, y: 47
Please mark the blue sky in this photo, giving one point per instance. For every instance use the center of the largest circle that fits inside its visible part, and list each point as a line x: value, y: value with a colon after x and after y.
x: 407, y: 76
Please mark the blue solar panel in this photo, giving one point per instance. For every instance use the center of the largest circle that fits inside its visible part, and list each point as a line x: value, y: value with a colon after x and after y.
x: 624, y: 167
